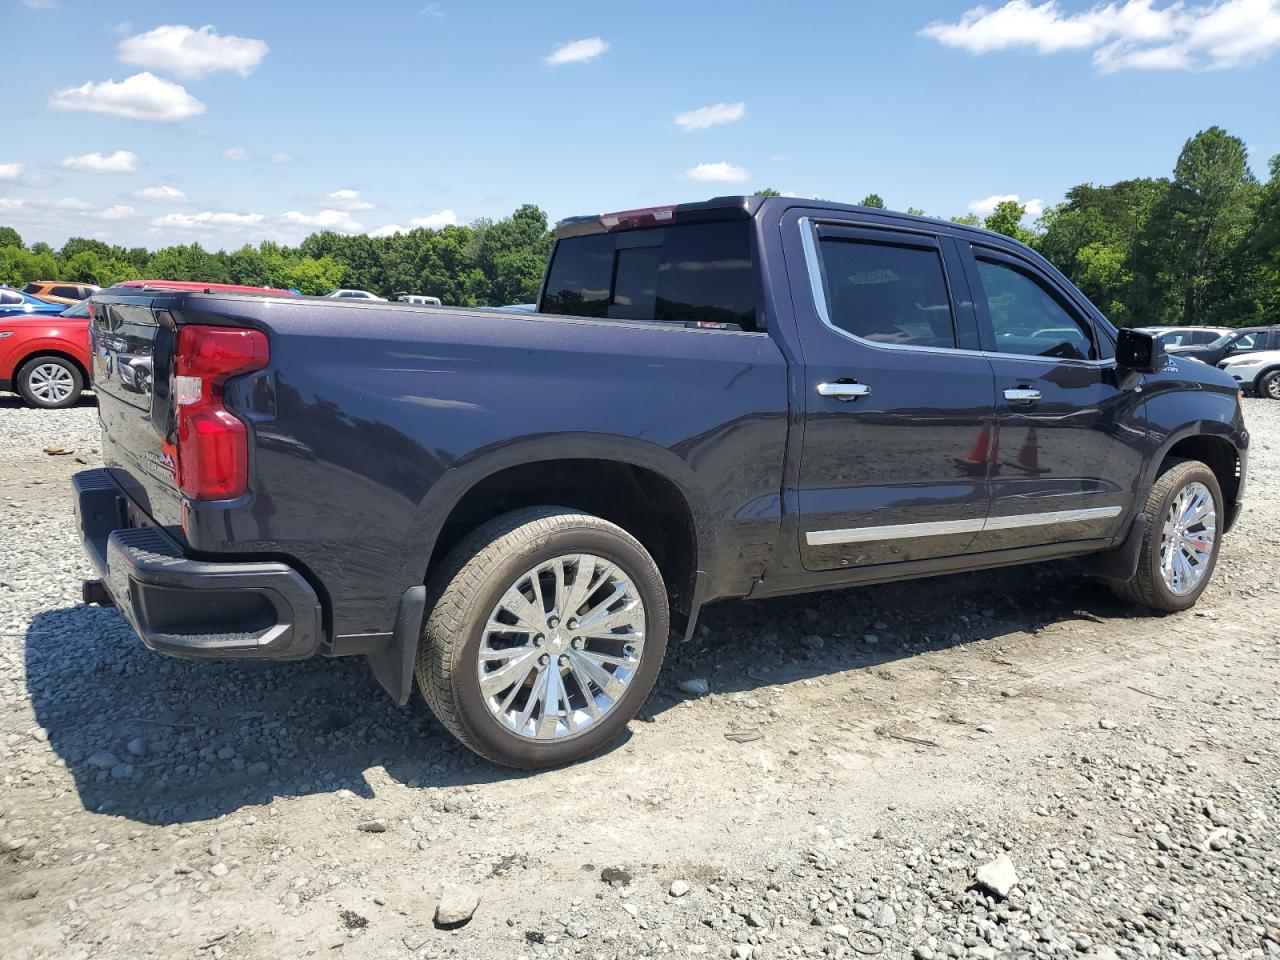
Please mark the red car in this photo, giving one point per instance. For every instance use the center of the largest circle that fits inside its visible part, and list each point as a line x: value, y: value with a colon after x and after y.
x: 46, y: 360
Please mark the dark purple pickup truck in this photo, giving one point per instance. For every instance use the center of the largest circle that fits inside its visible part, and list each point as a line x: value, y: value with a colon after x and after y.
x: 733, y: 399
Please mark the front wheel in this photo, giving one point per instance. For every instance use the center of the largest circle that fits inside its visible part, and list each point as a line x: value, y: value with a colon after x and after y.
x: 546, y: 635
x: 51, y: 382
x: 1181, y: 541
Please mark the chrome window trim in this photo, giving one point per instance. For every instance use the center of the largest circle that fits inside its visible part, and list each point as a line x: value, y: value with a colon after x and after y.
x: 941, y: 528
x: 809, y: 243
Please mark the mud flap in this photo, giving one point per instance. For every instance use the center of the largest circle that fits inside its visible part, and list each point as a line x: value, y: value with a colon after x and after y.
x: 1120, y: 563
x: 392, y: 666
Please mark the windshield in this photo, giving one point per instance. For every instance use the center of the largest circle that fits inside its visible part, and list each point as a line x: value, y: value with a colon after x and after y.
x: 1222, y: 341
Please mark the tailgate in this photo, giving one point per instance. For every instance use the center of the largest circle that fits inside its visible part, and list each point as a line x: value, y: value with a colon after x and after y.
x: 132, y: 344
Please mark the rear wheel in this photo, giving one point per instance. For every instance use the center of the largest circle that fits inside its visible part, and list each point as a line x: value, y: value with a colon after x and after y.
x: 50, y: 382
x: 1269, y: 385
x: 1181, y: 541
x: 546, y: 635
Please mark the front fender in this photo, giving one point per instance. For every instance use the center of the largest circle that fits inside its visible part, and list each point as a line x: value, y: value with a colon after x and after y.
x: 18, y: 348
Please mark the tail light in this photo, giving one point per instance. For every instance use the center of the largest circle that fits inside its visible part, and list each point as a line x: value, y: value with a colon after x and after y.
x: 212, y: 449
x: 643, y: 217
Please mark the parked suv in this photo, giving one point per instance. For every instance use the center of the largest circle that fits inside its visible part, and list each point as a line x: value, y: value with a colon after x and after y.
x: 1232, y: 343
x: 60, y: 291
x: 746, y: 397
x: 1257, y: 370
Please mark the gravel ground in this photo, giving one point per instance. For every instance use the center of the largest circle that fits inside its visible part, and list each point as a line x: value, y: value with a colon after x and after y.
x: 987, y: 765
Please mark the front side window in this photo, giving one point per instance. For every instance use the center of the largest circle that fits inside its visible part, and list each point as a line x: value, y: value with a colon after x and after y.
x: 1028, y: 320
x: 1248, y: 343
x: 887, y: 293
x: 9, y: 297
x: 685, y: 273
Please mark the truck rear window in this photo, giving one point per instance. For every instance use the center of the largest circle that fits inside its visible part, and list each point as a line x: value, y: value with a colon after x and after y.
x: 701, y: 273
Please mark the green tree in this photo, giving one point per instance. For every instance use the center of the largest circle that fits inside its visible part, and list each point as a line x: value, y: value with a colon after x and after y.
x: 766, y: 192
x: 1198, y: 227
x: 9, y: 237
x: 1006, y: 218
x: 873, y: 200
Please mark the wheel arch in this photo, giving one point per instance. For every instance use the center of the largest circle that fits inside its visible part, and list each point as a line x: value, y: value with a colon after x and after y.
x: 50, y: 351
x: 1214, y: 450
x: 1262, y: 375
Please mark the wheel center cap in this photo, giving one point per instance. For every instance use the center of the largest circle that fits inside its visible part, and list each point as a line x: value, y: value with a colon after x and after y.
x: 557, y: 640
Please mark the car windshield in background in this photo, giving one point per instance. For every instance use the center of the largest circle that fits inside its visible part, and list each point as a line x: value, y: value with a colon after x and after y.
x: 1222, y: 341
x: 692, y: 273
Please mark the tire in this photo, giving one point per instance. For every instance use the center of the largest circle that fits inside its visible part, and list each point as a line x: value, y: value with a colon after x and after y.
x: 1268, y: 385
x: 49, y: 382
x: 493, y: 563
x: 1149, y: 587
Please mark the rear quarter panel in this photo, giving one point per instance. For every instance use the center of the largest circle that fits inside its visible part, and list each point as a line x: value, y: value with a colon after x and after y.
x: 374, y: 419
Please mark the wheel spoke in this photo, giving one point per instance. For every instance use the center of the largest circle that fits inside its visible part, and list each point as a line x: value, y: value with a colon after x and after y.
x: 515, y: 672
x: 584, y: 568
x: 602, y: 678
x: 516, y: 604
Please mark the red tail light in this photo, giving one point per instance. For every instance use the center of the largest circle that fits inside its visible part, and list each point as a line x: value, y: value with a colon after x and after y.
x: 643, y: 217
x: 212, y: 455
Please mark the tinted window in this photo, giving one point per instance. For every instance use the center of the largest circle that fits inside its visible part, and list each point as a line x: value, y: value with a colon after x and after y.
x: 33, y: 288
x: 1202, y: 337
x: 10, y: 297
x: 692, y: 273
x: 1027, y: 319
x: 71, y: 292
x: 1250, y: 342
x: 887, y: 293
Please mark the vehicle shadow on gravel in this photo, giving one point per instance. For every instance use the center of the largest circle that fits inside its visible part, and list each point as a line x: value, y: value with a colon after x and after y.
x: 164, y: 741
x: 13, y: 402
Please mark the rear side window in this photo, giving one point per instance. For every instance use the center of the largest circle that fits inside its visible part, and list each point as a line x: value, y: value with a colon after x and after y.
x: 32, y: 288
x: 888, y: 293
x: 1028, y: 320
x: 691, y: 273
x: 72, y: 292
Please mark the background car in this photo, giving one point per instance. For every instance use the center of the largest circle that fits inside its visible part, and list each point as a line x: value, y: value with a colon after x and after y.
x: 60, y: 291
x: 44, y: 356
x: 1185, y: 336
x: 345, y: 294
x: 15, y: 303
x: 417, y: 298
x: 1258, y: 371
x: 1237, y: 341
x: 197, y: 286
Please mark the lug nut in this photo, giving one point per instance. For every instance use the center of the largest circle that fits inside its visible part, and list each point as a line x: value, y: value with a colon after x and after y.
x: 553, y: 622
x: 578, y: 643
x: 537, y: 640
x: 564, y: 661
x: 573, y: 623
x: 543, y: 660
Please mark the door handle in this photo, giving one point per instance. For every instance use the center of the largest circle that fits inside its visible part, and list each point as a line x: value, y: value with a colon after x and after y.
x: 1022, y: 395
x: 844, y: 391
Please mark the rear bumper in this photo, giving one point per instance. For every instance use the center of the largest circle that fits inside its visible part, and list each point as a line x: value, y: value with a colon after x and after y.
x: 193, y: 608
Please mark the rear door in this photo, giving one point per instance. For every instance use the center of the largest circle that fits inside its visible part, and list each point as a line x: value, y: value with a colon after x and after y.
x: 899, y: 404
x: 1068, y: 457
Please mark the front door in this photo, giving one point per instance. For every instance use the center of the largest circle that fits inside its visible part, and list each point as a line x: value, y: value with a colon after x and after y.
x: 899, y: 408
x: 1066, y: 464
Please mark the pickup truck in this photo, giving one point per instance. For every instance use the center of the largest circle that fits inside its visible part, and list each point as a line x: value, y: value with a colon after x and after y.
x: 738, y: 398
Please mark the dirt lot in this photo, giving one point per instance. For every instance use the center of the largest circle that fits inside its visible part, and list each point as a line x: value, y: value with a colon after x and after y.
x: 860, y: 755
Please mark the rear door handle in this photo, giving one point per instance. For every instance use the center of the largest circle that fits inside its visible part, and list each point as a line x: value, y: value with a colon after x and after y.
x: 844, y: 391
x: 1022, y: 395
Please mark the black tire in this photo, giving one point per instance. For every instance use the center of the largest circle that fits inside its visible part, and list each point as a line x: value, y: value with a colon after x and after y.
x: 465, y: 590
x: 33, y: 387
x: 1148, y: 587
x: 1268, y: 385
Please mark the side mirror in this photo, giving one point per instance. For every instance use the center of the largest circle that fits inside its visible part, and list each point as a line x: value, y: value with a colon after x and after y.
x: 1139, y: 351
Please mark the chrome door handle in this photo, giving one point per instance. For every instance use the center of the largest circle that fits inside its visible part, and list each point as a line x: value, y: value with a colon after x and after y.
x: 844, y: 391
x: 1022, y: 395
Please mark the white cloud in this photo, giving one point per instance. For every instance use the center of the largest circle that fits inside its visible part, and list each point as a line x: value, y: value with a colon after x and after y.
x: 11, y: 203
x: 347, y: 199
x: 118, y: 211
x: 1124, y: 34
x: 721, y: 172
x: 710, y: 116
x: 205, y: 220
x: 122, y: 161
x: 190, y: 53
x: 576, y: 51
x: 40, y: 4
x: 143, y: 96
x: 325, y: 220
x: 235, y: 153
x: 434, y: 221
x: 432, y: 10
x: 63, y: 203
x: 160, y: 193
x: 11, y: 171
x: 987, y: 205
x: 281, y: 157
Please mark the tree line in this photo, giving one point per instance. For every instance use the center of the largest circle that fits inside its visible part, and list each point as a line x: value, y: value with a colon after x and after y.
x: 1199, y: 247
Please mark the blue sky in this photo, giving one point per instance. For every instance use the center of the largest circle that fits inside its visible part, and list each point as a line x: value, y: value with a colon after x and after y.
x: 130, y: 122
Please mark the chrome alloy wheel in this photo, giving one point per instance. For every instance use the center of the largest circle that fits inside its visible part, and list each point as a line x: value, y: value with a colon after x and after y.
x: 51, y: 382
x: 561, y: 647
x: 1186, y: 544
x: 1273, y: 388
